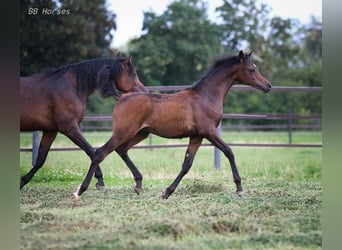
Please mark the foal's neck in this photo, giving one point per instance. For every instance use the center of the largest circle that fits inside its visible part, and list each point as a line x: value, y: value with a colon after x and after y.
x: 215, y: 86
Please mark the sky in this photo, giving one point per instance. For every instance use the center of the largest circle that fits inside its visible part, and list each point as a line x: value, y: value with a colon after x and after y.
x: 129, y: 13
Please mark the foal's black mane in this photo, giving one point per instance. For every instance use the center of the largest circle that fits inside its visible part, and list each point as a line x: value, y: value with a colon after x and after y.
x: 217, y: 65
x: 86, y: 74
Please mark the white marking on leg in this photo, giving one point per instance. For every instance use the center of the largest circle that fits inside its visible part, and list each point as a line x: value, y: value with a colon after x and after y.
x: 76, y: 193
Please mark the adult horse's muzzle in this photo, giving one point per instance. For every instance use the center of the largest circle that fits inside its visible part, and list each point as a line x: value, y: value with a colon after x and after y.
x: 144, y: 89
x: 140, y: 87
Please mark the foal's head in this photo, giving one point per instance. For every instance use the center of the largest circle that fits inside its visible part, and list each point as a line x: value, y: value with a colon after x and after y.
x: 249, y: 74
x: 122, y: 75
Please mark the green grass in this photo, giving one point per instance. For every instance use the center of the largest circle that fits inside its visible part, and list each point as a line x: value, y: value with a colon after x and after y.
x: 281, y: 208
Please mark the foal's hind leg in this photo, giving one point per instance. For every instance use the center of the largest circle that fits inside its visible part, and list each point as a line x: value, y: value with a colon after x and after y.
x: 122, y: 151
x: 189, y: 157
x: 76, y: 136
x: 217, y: 141
x: 44, y: 146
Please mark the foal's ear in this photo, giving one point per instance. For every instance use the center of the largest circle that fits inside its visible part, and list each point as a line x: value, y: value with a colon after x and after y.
x: 241, y: 56
x: 118, y: 54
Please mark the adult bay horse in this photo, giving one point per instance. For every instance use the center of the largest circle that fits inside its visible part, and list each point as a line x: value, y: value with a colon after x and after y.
x: 194, y: 112
x: 55, y: 100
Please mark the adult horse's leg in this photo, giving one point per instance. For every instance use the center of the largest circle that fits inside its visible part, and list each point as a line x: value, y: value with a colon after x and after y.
x: 76, y: 136
x: 44, y: 146
x: 219, y: 143
x: 100, y: 155
x: 122, y: 151
x: 193, y: 146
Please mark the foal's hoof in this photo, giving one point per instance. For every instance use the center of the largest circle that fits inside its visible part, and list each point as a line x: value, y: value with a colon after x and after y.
x: 137, y: 190
x: 100, y: 186
x: 239, y: 193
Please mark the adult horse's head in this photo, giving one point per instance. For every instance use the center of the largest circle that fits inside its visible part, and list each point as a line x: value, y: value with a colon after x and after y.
x: 249, y: 74
x: 121, y: 76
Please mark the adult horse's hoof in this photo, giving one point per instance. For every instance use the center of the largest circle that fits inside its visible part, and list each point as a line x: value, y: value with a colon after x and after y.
x: 239, y: 193
x: 164, y: 197
x: 100, y: 186
x: 76, y: 195
x: 137, y: 190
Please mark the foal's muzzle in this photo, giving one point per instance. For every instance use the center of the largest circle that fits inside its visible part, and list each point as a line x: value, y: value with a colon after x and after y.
x: 267, y: 87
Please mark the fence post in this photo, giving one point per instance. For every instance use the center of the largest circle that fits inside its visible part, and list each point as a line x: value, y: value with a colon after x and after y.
x: 35, y: 146
x: 290, y: 126
x: 150, y: 140
x: 217, y: 153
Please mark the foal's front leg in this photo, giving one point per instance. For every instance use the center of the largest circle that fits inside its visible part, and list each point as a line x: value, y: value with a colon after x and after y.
x: 219, y: 143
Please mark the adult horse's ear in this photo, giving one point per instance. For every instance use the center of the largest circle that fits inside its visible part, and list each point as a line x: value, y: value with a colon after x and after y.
x: 118, y: 54
x: 129, y: 60
x: 241, y: 56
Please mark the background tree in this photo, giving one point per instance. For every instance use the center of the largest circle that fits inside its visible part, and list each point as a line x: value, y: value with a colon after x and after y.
x: 54, y: 40
x: 281, y: 52
x: 243, y: 22
x: 177, y: 45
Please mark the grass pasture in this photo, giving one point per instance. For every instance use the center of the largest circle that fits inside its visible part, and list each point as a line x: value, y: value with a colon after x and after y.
x: 281, y: 208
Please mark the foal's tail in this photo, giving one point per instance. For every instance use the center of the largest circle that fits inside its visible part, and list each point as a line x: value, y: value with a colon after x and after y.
x: 106, y: 83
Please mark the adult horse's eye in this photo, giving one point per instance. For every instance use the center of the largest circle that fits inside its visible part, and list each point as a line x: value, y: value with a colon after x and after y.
x: 251, y: 70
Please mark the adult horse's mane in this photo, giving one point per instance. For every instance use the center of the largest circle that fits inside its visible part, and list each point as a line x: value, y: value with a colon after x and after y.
x: 86, y: 73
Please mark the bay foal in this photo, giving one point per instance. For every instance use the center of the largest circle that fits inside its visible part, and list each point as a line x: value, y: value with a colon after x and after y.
x: 194, y: 112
